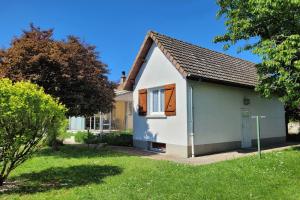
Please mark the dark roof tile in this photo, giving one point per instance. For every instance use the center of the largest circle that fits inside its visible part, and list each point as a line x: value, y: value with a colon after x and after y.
x: 196, y: 62
x: 204, y: 63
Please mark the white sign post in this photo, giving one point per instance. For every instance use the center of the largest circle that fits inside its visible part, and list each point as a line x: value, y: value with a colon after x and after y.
x: 258, y: 132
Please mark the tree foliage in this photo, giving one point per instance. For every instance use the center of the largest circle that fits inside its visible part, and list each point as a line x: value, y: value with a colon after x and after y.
x: 69, y: 70
x: 272, y: 29
x: 27, y: 116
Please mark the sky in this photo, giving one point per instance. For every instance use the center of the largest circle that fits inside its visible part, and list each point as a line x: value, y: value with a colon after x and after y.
x: 117, y: 27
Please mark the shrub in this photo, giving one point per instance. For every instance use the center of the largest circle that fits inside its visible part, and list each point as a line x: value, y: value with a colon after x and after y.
x: 55, y: 138
x: 27, y: 117
x: 80, y: 136
x: 123, y: 138
x: 65, y: 135
x: 92, y: 139
x: 86, y: 137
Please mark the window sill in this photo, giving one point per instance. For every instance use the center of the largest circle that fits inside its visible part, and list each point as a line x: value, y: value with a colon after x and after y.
x: 156, y: 116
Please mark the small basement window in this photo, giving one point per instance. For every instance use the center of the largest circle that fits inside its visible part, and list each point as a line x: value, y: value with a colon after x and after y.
x: 160, y: 147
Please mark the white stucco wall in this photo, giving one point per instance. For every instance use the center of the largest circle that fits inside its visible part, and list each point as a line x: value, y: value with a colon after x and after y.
x: 159, y: 71
x: 217, y: 113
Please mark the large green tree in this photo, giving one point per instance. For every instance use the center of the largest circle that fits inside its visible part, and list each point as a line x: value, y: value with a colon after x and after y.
x: 67, y: 69
x: 272, y: 31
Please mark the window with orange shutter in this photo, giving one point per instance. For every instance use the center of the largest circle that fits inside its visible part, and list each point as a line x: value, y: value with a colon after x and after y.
x: 170, y: 100
x: 159, y: 101
x: 142, y: 102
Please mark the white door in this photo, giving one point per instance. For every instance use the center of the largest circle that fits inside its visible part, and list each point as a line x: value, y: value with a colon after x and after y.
x: 246, y: 132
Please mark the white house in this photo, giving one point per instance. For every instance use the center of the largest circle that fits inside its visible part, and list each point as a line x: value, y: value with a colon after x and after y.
x: 189, y: 100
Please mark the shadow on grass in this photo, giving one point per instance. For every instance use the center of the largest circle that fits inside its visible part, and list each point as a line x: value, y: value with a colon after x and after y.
x: 296, y: 148
x: 58, y: 178
x: 74, y: 151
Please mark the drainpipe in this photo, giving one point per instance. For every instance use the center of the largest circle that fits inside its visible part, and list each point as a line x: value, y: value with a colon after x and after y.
x: 192, y: 121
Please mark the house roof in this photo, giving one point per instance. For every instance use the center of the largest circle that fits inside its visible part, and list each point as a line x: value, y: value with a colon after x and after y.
x: 195, y: 62
x: 123, y: 95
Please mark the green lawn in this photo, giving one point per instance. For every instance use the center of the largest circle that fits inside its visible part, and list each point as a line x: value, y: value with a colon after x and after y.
x: 75, y: 173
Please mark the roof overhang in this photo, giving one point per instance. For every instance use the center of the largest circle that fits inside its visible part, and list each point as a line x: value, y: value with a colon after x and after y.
x: 123, y: 95
x: 140, y: 58
x: 227, y: 83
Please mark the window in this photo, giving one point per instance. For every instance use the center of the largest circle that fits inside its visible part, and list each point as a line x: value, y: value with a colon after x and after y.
x: 159, y: 147
x: 156, y: 101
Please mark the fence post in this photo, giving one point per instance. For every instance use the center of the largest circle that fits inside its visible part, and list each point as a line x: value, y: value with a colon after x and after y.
x: 258, y: 132
x: 258, y: 136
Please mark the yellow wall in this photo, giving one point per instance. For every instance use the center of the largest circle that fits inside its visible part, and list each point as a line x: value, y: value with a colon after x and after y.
x: 119, y: 115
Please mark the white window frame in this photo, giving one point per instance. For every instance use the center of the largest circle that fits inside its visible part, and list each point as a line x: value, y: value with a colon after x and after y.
x: 161, y: 101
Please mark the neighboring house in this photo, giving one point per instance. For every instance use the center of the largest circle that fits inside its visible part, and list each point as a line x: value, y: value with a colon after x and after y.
x: 191, y: 100
x: 122, y: 113
x: 294, y: 127
x: 120, y: 118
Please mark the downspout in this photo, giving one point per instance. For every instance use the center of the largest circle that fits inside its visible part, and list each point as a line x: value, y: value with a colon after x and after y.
x: 192, y: 122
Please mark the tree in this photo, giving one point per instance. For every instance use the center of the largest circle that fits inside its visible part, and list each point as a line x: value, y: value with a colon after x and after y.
x: 69, y: 70
x: 27, y: 117
x: 272, y: 30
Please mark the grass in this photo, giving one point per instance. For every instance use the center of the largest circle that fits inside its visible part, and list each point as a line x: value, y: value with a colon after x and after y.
x: 79, y: 173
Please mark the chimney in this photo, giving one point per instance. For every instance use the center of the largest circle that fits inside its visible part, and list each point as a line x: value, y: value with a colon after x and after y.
x: 123, y: 78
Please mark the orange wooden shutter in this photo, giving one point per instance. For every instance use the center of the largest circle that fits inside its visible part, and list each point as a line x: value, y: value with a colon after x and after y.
x: 143, y: 102
x: 170, y: 100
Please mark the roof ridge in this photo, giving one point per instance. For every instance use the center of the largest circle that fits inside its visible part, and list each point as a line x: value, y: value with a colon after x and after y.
x: 154, y: 32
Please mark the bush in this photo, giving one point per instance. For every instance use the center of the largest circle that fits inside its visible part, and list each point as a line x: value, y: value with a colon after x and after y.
x: 87, y: 137
x: 27, y: 117
x: 117, y: 138
x: 92, y: 139
x: 123, y: 138
x: 65, y: 135
x: 56, y: 138
x: 81, y: 136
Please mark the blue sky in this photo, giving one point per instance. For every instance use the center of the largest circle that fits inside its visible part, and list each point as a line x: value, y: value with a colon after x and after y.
x: 117, y: 27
